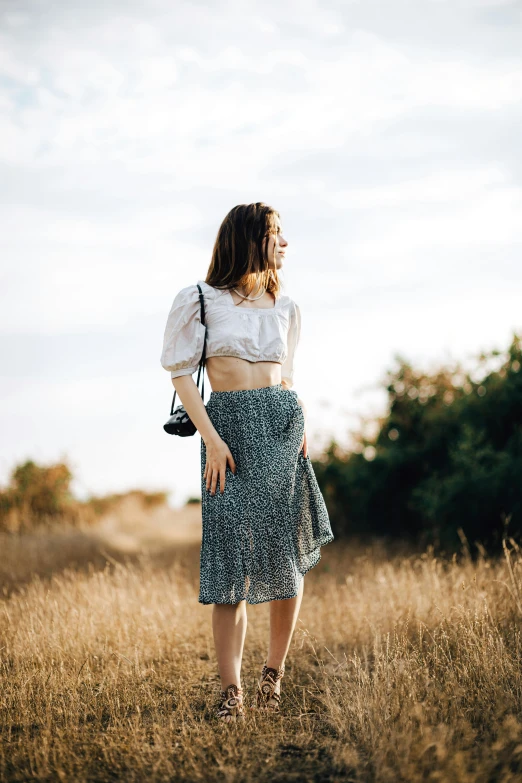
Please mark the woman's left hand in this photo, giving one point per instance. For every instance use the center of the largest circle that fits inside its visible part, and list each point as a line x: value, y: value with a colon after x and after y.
x: 304, y: 444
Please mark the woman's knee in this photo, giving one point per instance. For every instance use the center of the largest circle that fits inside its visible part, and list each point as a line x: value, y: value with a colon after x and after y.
x: 238, y: 608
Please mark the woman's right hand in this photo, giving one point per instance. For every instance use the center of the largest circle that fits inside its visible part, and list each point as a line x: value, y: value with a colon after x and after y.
x: 218, y: 454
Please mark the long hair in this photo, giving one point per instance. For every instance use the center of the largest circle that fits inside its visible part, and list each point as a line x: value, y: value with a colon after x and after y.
x: 239, y: 257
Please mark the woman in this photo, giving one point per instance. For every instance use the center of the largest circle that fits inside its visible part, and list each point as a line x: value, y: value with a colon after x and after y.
x: 264, y: 517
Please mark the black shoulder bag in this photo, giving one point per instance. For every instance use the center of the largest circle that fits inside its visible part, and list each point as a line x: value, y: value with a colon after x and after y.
x: 180, y: 422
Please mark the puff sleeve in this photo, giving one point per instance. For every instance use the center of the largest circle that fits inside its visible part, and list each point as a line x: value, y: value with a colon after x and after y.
x: 184, y: 334
x: 294, y: 333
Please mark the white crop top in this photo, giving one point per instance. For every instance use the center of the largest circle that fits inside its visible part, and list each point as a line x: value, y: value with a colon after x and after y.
x: 253, y: 333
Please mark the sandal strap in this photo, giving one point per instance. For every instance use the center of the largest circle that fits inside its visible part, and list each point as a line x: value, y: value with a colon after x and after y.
x: 279, y: 671
x: 269, y: 672
x: 232, y: 690
x: 231, y: 702
x: 266, y: 686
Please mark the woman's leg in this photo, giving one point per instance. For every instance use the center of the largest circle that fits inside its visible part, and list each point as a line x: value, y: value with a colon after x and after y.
x: 229, y: 624
x: 283, y: 617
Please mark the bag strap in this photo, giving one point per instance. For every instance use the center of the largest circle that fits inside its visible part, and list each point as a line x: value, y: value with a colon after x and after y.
x: 203, y: 355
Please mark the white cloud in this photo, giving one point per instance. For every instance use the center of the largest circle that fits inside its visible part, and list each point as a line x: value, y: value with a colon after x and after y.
x: 444, y: 188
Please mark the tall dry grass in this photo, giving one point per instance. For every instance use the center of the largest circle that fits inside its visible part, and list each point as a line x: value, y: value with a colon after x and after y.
x: 403, y: 667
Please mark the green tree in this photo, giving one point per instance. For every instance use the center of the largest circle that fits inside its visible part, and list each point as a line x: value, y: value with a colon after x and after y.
x: 447, y: 455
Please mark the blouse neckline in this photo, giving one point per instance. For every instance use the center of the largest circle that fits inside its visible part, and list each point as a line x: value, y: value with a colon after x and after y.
x: 230, y: 303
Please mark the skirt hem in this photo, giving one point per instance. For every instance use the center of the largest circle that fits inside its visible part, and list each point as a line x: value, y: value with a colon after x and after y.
x: 266, y: 600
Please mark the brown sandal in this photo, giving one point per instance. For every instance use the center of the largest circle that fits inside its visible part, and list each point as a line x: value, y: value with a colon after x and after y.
x: 266, y: 696
x: 231, y: 704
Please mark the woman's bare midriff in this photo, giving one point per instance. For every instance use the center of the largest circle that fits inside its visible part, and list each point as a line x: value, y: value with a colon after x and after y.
x: 227, y: 373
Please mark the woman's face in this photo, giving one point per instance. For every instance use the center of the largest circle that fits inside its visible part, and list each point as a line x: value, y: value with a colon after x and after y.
x: 276, y: 248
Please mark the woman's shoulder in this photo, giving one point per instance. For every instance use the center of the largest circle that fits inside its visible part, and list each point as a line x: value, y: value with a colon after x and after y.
x: 209, y: 292
x: 189, y: 294
x: 287, y: 304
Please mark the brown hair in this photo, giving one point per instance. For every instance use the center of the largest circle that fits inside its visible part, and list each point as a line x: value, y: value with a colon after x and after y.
x: 239, y: 257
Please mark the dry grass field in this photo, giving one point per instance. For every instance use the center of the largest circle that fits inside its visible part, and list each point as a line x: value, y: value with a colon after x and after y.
x: 403, y: 667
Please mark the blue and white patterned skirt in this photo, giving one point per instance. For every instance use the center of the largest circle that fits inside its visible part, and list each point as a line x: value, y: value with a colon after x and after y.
x: 265, y: 531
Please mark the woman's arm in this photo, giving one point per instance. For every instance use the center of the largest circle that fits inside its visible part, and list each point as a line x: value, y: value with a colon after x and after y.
x: 192, y: 401
x: 287, y: 370
x: 294, y: 333
x: 218, y: 452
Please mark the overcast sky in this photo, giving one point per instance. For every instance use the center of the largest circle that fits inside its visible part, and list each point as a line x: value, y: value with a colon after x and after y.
x: 387, y: 134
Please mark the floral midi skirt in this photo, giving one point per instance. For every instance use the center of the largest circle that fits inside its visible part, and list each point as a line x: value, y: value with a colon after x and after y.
x: 265, y: 531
